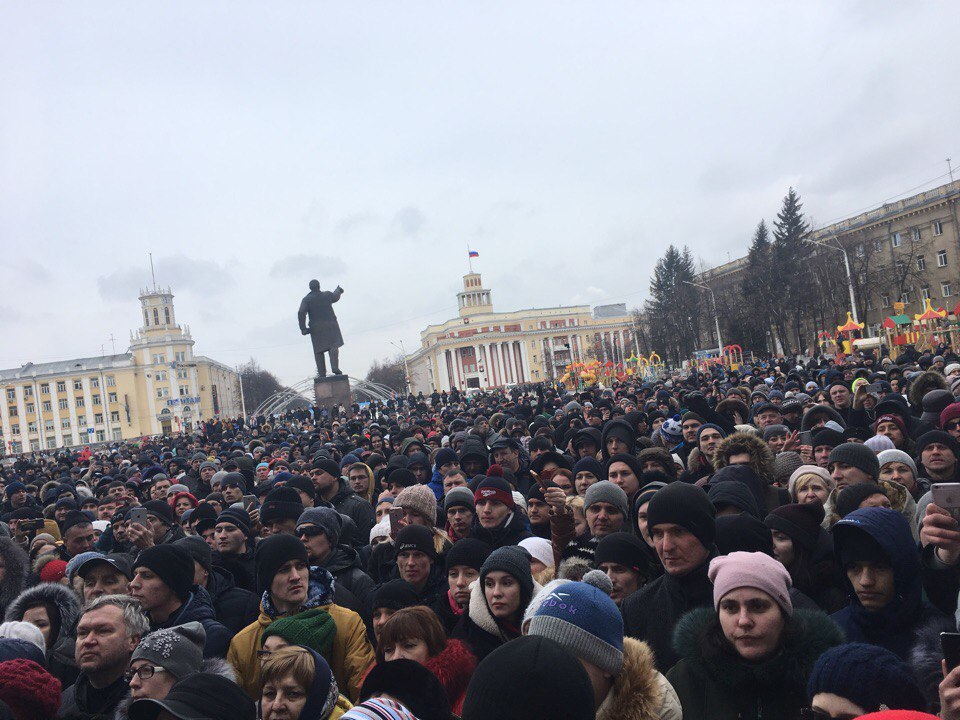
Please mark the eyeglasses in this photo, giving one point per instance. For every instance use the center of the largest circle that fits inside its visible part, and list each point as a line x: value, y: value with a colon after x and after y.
x: 144, y: 672
x: 952, y: 425
x: 310, y: 530
x: 811, y: 713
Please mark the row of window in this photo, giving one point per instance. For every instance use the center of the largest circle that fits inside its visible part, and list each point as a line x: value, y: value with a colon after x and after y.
x: 100, y: 435
x: 941, y: 260
x: 62, y: 387
x: 63, y: 403
x: 161, y: 359
x: 896, y: 239
x: 946, y: 290
x: 48, y: 425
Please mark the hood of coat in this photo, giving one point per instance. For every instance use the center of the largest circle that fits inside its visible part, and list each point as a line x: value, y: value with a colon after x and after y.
x: 639, y: 691
x: 761, y: 454
x: 480, y: 613
x: 453, y: 668
x: 926, y: 654
x: 342, y: 558
x: 922, y: 384
x: 818, y: 413
x: 745, y: 476
x: 17, y: 567
x: 814, y: 633
x: 60, y: 596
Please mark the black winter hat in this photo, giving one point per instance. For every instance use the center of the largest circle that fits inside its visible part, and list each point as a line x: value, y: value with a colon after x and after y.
x: 799, y: 521
x: 551, y: 681
x: 199, y: 695
x: 415, y: 687
x: 514, y: 560
x: 303, y: 484
x: 826, y: 436
x: 396, y: 594
x: 74, y: 517
x: 625, y: 549
x: 631, y: 461
x: 857, y: 455
x: 198, y: 549
x: 469, y: 552
x: 235, y: 516
x: 742, y: 533
x: 850, y: 497
x: 161, y: 510
x: 416, y: 537
x: 687, y: 506
x: 233, y: 478
x: 272, y: 553
x: 401, y: 476
x: 940, y: 437
x: 172, y: 564
x: 327, y: 465
x: 282, y: 503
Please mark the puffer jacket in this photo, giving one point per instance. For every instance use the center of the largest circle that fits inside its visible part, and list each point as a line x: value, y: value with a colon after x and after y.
x: 347, y: 502
x: 639, y: 691
x: 60, y: 655
x: 16, y: 565
x: 199, y: 608
x: 350, y: 655
x: 344, y: 565
x: 716, y: 684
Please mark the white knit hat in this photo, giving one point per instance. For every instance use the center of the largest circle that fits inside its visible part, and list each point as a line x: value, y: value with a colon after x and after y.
x: 539, y: 549
x: 17, y: 630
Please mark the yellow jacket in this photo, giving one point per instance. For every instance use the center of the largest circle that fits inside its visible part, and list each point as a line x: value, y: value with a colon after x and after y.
x: 350, y: 655
x: 342, y: 706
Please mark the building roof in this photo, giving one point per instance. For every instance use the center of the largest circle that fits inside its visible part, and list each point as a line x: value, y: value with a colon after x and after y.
x: 65, y: 367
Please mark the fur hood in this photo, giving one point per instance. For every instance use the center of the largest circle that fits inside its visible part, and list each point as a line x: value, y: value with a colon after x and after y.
x: 925, y: 658
x: 817, y: 634
x: 62, y: 597
x: 924, y: 383
x: 17, y: 565
x: 900, y: 500
x: 217, y: 666
x: 453, y: 668
x: 480, y: 614
x: 639, y: 691
x: 820, y: 412
x: 761, y: 454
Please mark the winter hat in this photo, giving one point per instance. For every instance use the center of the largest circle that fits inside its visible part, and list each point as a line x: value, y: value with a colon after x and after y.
x: 647, y: 491
x: 207, y: 464
x: 495, y: 488
x: 416, y: 537
x: 281, y: 503
x: 890, y: 417
x: 172, y: 564
x: 13, y: 649
x: 940, y: 437
x: 809, y: 470
x: 19, y: 630
x: 590, y: 465
x: 772, y: 431
x: 397, y: 594
x: 381, y: 529
x: 551, y: 681
x: 934, y: 403
x: 950, y: 412
x: 313, y: 628
x: 744, y: 533
x: 178, y: 650
x: 198, y: 549
x: 78, y: 517
x: 867, y: 675
x: 458, y: 497
x: 469, y: 552
x: 608, y: 492
x: 622, y: 548
x: 879, y: 443
x: 28, y: 690
x: 583, y: 621
x: 629, y: 460
x: 161, y: 510
x: 850, y: 497
x: 539, y: 549
x: 323, y: 517
x: 858, y: 456
x: 401, y: 476
x: 753, y: 570
x: 687, y: 506
x: 514, y: 561
x: 671, y: 431
x: 413, y: 685
x: 274, y: 552
x: 237, y: 517
x: 420, y: 499
x: 200, y: 695
x: 710, y: 426
x: 889, y: 456
x: 784, y: 465
x: 799, y: 521
x: 378, y: 709
x: 444, y: 456
x: 53, y: 571
x: 327, y: 465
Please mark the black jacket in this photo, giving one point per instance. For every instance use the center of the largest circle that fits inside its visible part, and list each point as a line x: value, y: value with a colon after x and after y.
x: 198, y: 608
x: 344, y: 564
x: 235, y: 607
x: 347, y: 502
x: 510, y: 532
x: 60, y: 651
x: 81, y: 700
x: 242, y: 567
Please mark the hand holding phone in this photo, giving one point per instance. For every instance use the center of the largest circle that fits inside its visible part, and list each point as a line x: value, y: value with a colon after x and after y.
x: 396, y: 515
x: 138, y: 516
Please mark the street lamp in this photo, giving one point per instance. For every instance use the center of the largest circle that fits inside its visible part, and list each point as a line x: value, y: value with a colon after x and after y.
x: 406, y: 370
x: 716, y: 316
x: 846, y: 264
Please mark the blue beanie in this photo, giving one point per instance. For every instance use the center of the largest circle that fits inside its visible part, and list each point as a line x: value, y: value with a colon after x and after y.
x: 706, y: 426
x: 584, y: 621
x: 444, y: 456
x: 15, y: 486
x: 867, y: 675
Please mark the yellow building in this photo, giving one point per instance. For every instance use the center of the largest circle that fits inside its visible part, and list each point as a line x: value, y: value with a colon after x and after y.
x: 486, y: 349
x: 157, y: 387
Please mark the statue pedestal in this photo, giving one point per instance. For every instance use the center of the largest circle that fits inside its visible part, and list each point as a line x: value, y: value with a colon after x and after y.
x: 332, y: 390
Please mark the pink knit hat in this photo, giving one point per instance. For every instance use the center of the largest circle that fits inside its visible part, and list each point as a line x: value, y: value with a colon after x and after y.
x: 753, y: 570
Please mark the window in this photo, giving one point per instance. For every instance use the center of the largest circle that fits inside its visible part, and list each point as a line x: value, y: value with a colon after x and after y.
x: 44, y: 388
x: 183, y: 375
x: 925, y: 292
x: 937, y: 227
x: 48, y: 426
x: 62, y: 386
x: 942, y: 258
x: 877, y: 244
x: 32, y: 427
x: 98, y: 419
x: 945, y: 289
x: 101, y: 436
x: 97, y: 399
x: 12, y: 410
x: 51, y: 443
x: 163, y: 392
x: 79, y: 402
x: 869, y: 303
x: 14, y: 429
x: 46, y: 406
x: 156, y: 316
x: 905, y: 298
x: 921, y: 262
x: 900, y: 268
x: 16, y: 447
x: 78, y: 384
x: 896, y: 239
x: 65, y: 423
x: 28, y: 391
x: 30, y: 408
x: 885, y: 301
x: 181, y: 356
x: 34, y: 445
x: 166, y: 315
x: 159, y: 359
x: 184, y: 391
x: 916, y: 234
x: 111, y: 381
x: 95, y: 383
x: 64, y: 404
x: 114, y: 416
x: 111, y: 397
x: 860, y: 251
x: 11, y: 394
x: 162, y: 375
x: 81, y: 420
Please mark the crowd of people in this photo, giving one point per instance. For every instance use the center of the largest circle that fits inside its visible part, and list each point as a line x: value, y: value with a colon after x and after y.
x: 778, y: 541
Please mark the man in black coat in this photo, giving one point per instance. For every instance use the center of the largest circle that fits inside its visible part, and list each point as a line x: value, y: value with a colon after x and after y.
x: 234, y: 607
x: 324, y: 330
x: 681, y: 522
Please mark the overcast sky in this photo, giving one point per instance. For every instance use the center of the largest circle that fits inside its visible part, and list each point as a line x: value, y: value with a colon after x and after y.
x: 253, y: 146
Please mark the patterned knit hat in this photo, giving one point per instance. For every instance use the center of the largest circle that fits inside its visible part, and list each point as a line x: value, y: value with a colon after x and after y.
x: 378, y: 709
x: 31, y: 692
x: 313, y: 628
x: 178, y: 650
x: 784, y: 465
x: 420, y: 499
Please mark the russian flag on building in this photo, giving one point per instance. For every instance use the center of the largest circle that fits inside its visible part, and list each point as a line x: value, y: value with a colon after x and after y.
x: 473, y: 253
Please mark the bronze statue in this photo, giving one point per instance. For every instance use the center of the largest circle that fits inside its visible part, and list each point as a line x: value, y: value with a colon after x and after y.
x: 324, y: 330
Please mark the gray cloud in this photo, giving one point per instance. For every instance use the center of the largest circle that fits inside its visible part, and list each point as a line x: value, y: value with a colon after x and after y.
x: 205, y: 278
x: 304, y: 265
x: 409, y: 221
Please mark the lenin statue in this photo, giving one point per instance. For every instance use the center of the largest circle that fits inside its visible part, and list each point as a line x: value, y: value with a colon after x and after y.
x: 324, y: 330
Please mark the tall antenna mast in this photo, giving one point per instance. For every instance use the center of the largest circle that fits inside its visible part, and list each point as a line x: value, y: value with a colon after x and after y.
x: 152, y: 274
x: 950, y: 169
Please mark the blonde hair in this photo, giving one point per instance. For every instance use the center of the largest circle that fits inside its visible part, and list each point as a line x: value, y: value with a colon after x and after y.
x: 290, y: 660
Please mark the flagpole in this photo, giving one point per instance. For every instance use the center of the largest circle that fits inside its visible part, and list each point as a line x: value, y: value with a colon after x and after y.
x: 469, y: 258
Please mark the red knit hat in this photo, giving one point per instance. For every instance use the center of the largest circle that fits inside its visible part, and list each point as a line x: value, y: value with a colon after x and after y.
x: 895, y: 419
x: 898, y: 715
x: 31, y: 692
x: 950, y: 412
x: 53, y: 571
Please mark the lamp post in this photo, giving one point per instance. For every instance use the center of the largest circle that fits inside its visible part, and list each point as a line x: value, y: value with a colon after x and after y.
x: 406, y: 370
x: 846, y: 264
x: 716, y: 316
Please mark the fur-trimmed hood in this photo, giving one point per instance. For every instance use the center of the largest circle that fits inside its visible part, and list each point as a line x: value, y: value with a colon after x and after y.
x: 17, y: 565
x: 820, y: 412
x: 62, y: 597
x: 900, y: 500
x: 922, y: 384
x: 925, y: 657
x: 792, y: 666
x: 639, y: 691
x: 482, y: 617
x: 762, y: 456
x: 453, y: 668
x: 217, y: 666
